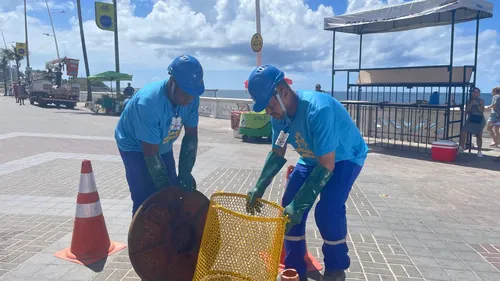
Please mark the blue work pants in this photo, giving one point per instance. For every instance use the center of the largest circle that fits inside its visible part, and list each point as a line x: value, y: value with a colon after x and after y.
x: 330, y: 215
x: 139, y: 180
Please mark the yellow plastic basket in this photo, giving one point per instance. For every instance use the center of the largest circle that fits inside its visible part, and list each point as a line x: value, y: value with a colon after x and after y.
x: 237, y: 245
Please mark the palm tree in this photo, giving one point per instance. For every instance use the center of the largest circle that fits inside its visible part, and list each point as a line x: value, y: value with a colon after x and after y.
x: 12, y: 55
x: 4, y: 65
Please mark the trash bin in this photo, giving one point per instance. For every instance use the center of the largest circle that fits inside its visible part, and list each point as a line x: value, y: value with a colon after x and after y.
x: 237, y: 245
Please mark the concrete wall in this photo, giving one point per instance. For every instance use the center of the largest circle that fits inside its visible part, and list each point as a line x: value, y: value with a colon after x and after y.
x: 210, y: 107
x: 222, y: 107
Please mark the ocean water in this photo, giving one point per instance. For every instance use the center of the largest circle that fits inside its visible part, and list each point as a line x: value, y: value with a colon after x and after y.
x: 404, y: 97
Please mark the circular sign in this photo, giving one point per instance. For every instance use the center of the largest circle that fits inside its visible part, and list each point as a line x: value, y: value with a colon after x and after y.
x: 257, y: 42
x: 20, y: 51
x: 106, y: 21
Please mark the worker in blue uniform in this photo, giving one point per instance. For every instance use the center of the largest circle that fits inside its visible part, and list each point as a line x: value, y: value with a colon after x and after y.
x: 332, y: 154
x: 152, y: 121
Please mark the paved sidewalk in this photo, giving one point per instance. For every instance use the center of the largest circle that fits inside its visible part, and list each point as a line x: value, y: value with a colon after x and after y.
x: 409, y: 218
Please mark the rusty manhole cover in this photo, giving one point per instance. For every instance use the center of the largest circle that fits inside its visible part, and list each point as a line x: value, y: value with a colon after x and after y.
x: 165, y: 235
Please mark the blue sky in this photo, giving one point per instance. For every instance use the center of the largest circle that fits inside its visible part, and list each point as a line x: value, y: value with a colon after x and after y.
x: 218, y: 33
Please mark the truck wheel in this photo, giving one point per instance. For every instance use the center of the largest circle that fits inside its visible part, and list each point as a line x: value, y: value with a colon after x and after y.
x: 42, y: 104
x: 32, y: 101
x: 245, y: 138
x: 70, y: 106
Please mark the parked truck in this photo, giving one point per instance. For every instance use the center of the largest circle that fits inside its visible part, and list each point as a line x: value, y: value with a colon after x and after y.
x: 47, y: 87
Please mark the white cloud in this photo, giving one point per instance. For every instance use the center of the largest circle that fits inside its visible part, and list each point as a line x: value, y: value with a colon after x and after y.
x: 218, y: 33
x: 37, y: 5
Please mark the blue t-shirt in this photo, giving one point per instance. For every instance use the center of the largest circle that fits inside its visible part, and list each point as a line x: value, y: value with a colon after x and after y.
x: 147, y: 117
x: 322, y: 125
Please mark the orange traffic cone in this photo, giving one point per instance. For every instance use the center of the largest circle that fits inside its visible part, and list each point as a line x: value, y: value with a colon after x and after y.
x: 312, y: 263
x: 90, y: 242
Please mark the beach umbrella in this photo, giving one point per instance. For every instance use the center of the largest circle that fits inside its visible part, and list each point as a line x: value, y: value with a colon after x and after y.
x: 110, y: 76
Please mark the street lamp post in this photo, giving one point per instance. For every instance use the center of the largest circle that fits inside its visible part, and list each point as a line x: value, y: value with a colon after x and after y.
x: 257, y: 20
x: 53, y: 31
x: 84, y: 49
x: 117, y: 52
x: 28, y: 68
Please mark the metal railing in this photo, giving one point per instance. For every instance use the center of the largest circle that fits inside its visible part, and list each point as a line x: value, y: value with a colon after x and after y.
x: 398, y: 115
x: 405, y: 126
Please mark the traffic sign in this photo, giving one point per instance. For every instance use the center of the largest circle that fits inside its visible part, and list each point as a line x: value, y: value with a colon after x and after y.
x: 257, y: 42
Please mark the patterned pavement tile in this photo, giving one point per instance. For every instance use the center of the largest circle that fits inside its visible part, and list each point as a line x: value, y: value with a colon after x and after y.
x: 409, y: 218
x: 60, y: 178
x: 24, y: 236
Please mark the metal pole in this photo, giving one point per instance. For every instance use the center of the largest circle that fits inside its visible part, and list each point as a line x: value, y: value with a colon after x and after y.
x: 452, y: 46
x: 84, y: 49
x: 117, y: 55
x: 358, y: 113
x: 26, y: 35
x: 333, y: 63
x: 53, y: 31
x: 10, y: 66
x: 476, y: 48
x: 257, y: 20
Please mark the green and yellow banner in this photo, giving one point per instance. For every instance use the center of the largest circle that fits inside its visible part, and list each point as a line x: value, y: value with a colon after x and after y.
x: 104, y: 16
x: 21, y: 49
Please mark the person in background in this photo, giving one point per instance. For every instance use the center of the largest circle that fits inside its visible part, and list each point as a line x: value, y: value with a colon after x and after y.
x: 16, y: 91
x: 150, y: 124
x: 493, y: 126
x: 332, y: 153
x: 23, y: 94
x: 475, y: 122
x: 318, y: 88
x: 434, y: 99
x: 128, y: 92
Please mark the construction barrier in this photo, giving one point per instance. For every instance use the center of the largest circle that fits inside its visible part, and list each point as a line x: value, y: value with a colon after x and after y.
x: 90, y: 242
x: 238, y: 246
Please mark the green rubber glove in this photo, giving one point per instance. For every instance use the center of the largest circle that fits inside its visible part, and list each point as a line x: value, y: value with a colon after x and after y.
x: 157, y: 170
x: 187, y: 158
x: 307, y: 194
x: 272, y: 166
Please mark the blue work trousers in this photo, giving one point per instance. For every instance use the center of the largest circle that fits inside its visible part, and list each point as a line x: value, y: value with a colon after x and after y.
x: 330, y: 215
x: 139, y: 180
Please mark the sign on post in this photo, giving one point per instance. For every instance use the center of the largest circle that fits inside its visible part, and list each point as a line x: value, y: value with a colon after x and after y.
x: 72, y: 67
x: 256, y: 42
x: 21, y: 49
x: 104, y: 16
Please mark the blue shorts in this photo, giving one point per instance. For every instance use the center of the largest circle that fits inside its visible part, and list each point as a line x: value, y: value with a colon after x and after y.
x: 139, y: 180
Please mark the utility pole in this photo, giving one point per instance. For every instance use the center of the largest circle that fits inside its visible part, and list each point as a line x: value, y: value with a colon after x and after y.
x: 84, y: 49
x: 117, y: 55
x: 10, y: 66
x: 27, y: 74
x: 257, y: 20
x: 53, y: 32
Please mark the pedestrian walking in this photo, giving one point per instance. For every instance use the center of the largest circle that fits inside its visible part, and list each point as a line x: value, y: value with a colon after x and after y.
x: 493, y: 125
